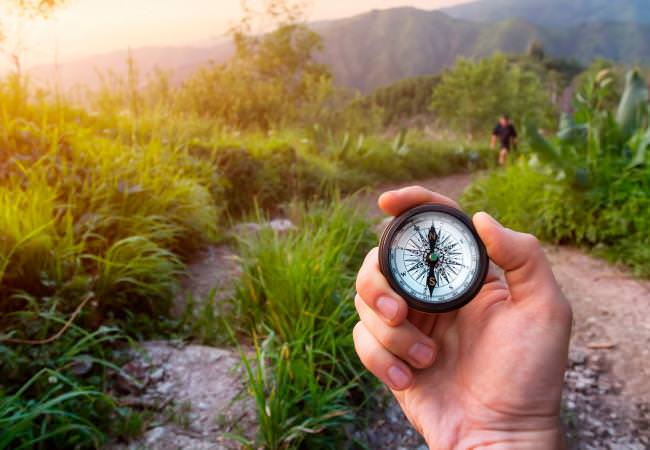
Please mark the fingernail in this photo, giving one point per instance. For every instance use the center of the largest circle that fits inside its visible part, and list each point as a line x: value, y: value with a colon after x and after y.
x: 388, y: 307
x: 492, y: 219
x: 422, y: 353
x: 398, y: 377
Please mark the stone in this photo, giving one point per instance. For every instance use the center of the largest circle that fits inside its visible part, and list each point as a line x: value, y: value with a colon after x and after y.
x: 201, y: 388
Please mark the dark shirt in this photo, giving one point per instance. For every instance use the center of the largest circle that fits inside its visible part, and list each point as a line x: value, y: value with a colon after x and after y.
x: 505, y: 134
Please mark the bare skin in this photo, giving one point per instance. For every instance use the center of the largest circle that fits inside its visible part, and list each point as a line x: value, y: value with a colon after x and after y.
x: 487, y: 376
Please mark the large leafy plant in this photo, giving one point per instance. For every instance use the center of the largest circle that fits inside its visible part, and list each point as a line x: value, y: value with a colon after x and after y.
x: 595, y: 144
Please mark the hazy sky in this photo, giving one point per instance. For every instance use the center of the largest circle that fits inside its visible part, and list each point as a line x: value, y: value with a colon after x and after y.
x: 84, y: 27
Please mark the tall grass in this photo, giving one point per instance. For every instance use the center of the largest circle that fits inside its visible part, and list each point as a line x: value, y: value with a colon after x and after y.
x: 99, y: 210
x: 61, y: 404
x: 295, y: 301
x: 28, y: 424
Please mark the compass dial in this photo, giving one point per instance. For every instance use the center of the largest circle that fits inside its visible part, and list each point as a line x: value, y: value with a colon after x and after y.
x: 433, y: 257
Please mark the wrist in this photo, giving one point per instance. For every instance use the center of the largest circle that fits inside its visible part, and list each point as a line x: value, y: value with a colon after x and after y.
x: 551, y: 438
x: 527, y: 440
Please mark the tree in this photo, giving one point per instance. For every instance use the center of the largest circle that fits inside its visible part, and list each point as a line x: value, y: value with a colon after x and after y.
x: 272, y: 75
x: 536, y: 50
x: 472, y: 95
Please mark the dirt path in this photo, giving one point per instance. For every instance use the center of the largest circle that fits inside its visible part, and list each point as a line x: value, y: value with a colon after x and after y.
x: 608, y: 382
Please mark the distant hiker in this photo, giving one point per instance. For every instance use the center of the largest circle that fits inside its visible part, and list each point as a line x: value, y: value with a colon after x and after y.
x: 506, y: 133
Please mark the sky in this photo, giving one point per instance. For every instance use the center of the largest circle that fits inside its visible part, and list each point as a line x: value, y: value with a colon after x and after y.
x: 87, y: 27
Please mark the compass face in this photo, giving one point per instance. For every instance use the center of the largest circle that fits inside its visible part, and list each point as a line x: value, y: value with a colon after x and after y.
x: 433, y: 257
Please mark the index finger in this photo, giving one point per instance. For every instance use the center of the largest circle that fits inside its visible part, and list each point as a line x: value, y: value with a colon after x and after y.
x: 396, y: 202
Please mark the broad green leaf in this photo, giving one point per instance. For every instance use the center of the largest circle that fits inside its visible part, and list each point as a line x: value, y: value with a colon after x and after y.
x: 641, y: 151
x: 633, y: 103
x: 542, y: 146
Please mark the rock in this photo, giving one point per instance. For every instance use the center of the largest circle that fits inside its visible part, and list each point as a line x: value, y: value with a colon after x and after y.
x: 281, y: 225
x: 201, y: 388
x: 594, y: 417
x: 577, y: 356
x: 81, y: 365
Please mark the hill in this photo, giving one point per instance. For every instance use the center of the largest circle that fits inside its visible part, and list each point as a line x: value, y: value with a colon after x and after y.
x: 381, y: 47
x: 554, y: 13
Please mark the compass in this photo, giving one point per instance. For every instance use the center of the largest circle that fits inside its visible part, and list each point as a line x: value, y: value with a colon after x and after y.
x: 433, y: 257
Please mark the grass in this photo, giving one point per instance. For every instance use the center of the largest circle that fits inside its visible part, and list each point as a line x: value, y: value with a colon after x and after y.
x: 294, y: 301
x: 61, y: 403
x: 30, y: 424
x: 99, y: 210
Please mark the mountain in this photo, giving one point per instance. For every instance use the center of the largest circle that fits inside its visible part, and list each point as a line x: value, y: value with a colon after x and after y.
x: 381, y: 47
x: 554, y: 13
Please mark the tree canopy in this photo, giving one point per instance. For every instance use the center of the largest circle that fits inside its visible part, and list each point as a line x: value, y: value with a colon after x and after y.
x: 471, y: 95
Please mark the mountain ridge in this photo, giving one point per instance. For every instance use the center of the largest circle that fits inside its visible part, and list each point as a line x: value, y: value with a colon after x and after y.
x: 554, y: 13
x: 380, y: 47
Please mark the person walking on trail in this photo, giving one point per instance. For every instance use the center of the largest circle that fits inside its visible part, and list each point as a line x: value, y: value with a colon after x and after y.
x: 506, y: 134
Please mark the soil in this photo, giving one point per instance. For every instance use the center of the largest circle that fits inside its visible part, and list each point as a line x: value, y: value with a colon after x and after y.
x: 607, y: 391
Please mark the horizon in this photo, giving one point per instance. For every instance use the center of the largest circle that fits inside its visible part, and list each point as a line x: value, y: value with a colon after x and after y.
x: 84, y: 28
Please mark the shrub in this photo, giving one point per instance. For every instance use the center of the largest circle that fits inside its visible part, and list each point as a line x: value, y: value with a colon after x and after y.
x: 613, y: 219
x: 529, y: 198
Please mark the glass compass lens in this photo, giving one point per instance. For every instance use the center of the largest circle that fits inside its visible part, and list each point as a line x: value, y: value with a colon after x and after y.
x: 432, y: 256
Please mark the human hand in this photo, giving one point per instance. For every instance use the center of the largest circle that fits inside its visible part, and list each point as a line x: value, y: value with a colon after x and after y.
x: 487, y: 375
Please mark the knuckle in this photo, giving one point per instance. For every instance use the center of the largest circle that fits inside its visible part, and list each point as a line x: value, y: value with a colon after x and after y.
x: 364, y: 285
x: 391, y: 339
x: 530, y: 242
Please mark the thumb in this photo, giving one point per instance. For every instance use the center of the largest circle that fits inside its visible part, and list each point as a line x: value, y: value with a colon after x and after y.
x: 521, y: 257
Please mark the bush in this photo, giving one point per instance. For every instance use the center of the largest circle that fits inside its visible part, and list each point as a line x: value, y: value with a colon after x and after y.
x: 534, y: 198
x: 529, y: 198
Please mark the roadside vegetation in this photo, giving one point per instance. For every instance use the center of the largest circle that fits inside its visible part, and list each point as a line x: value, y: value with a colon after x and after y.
x: 589, y: 185
x: 102, y: 202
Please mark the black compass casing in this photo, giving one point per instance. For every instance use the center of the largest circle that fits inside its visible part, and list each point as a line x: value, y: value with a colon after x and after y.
x: 432, y: 307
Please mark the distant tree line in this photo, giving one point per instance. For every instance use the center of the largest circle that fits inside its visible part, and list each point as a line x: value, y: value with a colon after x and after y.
x: 469, y: 95
x: 406, y: 98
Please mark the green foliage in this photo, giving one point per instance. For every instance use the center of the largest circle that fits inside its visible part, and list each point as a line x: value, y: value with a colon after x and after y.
x: 592, y: 188
x: 137, y: 275
x: 296, y: 290
x: 529, y: 197
x: 31, y: 423
x: 61, y: 403
x: 594, y: 145
x: 404, y: 99
x: 471, y: 96
x: 270, y: 79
